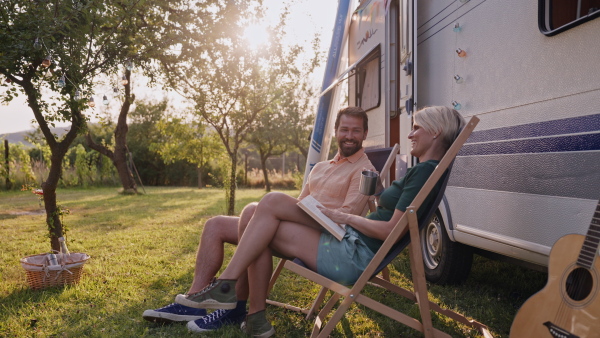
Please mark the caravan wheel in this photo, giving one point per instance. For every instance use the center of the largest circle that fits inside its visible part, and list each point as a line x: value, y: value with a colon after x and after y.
x: 446, y: 262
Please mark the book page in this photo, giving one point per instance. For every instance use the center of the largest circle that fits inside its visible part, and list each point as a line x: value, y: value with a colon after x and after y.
x: 309, y: 204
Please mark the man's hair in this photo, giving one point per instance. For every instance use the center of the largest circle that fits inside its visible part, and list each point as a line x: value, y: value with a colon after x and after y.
x: 355, y: 112
x: 443, y: 120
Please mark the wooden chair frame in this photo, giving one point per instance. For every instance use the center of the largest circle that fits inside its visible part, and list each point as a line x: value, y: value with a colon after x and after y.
x: 383, y: 173
x: 408, y: 223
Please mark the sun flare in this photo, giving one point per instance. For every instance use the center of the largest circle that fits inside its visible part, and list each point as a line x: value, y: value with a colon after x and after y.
x: 257, y: 35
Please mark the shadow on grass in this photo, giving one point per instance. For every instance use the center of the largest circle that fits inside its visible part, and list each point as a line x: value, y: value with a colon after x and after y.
x: 7, y: 216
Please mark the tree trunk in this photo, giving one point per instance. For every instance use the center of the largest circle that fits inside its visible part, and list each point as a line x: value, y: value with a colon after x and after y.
x: 7, y: 161
x: 119, y: 156
x: 232, y: 184
x: 199, y: 171
x: 49, y: 187
x: 263, y: 164
x: 58, y: 151
x: 119, y: 160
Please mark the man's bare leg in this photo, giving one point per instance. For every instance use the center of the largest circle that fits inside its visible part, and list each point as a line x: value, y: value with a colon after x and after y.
x: 209, y: 259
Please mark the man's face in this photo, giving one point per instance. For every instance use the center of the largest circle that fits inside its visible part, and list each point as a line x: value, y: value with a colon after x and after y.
x: 350, y: 134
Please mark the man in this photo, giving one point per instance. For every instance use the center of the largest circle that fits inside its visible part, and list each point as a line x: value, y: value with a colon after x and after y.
x: 333, y: 183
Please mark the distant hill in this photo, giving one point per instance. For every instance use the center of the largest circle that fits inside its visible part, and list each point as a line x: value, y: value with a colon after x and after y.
x: 19, y: 137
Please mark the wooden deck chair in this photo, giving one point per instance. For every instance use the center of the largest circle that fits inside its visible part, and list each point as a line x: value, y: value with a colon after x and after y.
x: 382, y: 159
x: 397, y: 240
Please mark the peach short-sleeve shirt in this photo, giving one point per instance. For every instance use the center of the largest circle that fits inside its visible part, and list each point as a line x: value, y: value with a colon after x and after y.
x: 335, y: 183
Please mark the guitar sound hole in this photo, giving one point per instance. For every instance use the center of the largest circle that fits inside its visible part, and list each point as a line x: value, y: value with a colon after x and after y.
x: 579, y: 284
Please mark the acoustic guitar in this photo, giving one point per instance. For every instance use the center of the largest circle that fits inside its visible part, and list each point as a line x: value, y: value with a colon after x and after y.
x: 569, y: 305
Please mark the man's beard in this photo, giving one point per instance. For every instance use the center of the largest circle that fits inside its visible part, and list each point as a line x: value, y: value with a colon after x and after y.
x: 349, y: 151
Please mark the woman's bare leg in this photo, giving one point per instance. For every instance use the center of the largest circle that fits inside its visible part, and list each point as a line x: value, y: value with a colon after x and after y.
x: 291, y: 240
x: 270, y: 212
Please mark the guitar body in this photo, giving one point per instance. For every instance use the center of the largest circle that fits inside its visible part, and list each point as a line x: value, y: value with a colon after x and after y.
x: 569, y: 304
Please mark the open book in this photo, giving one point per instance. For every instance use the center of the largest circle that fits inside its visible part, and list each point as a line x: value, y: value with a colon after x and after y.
x: 309, y: 205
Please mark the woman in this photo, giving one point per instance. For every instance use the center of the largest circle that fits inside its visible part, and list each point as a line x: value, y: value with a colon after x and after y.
x: 298, y: 235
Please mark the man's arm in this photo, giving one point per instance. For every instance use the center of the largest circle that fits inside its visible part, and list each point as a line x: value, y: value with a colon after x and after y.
x: 355, y: 202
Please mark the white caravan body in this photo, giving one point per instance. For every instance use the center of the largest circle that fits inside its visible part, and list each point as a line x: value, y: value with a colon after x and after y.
x: 530, y: 173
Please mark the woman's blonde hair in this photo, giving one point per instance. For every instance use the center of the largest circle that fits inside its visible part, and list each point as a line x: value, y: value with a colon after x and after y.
x: 444, y: 121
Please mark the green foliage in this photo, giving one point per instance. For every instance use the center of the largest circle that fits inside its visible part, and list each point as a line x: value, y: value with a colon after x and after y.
x: 189, y: 141
x: 19, y: 166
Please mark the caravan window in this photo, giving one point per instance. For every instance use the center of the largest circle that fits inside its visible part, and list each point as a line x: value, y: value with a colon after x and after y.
x: 556, y: 16
x: 368, y: 81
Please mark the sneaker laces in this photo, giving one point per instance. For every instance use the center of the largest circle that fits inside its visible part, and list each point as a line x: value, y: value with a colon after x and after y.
x: 170, y: 305
x: 213, y: 316
x: 206, y: 288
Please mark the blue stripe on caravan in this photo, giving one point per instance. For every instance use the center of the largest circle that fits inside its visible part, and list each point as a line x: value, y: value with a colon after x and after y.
x: 540, y: 145
x: 580, y: 124
x: 316, y: 146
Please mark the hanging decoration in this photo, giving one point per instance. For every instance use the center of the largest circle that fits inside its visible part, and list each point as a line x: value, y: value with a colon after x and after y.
x: 91, y: 102
x: 61, y: 82
x: 47, y: 61
x: 105, y: 100
x: 456, y: 105
x: 36, y: 44
x: 461, y: 53
x: 459, y: 79
x: 457, y: 28
x: 124, y: 81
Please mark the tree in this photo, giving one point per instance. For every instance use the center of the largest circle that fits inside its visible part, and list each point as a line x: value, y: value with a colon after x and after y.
x: 297, y: 108
x: 52, y: 51
x: 152, y: 31
x: 269, y: 137
x: 118, y: 154
x: 191, y: 141
x: 231, y: 84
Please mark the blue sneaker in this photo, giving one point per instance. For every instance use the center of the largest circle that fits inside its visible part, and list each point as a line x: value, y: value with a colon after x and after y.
x: 173, y: 313
x: 217, y: 319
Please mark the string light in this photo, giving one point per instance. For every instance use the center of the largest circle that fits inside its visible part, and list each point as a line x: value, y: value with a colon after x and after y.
x: 461, y: 53
x: 458, y: 79
x: 61, y: 82
x: 91, y: 102
x: 124, y: 81
x: 115, y: 90
x: 47, y: 61
x: 105, y: 100
x: 457, y: 28
x: 36, y: 44
x: 129, y: 65
x: 456, y: 105
x: 77, y: 95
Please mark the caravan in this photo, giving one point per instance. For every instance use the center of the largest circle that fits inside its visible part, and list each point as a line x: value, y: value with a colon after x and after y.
x: 530, y: 173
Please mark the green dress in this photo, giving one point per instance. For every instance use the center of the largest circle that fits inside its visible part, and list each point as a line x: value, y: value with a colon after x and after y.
x: 344, y: 261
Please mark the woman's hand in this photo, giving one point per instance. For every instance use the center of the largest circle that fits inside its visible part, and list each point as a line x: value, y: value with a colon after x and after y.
x: 335, y: 215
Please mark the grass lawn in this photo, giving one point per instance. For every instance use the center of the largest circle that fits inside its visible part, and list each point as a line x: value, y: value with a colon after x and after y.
x: 143, y: 248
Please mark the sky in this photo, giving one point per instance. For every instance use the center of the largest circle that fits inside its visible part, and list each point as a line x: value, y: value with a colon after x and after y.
x: 306, y: 18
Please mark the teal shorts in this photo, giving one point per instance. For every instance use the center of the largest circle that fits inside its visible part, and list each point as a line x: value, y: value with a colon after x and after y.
x: 343, y: 261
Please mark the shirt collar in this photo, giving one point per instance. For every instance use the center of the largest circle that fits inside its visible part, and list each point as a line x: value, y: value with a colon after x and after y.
x: 352, y: 159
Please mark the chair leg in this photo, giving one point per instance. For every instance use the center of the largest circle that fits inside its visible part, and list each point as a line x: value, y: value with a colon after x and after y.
x: 324, y: 312
x: 385, y: 274
x: 317, y: 303
x: 275, y: 275
x: 418, y: 273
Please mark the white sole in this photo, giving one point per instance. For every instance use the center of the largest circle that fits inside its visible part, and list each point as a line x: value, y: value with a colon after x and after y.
x: 207, y: 304
x: 156, y: 316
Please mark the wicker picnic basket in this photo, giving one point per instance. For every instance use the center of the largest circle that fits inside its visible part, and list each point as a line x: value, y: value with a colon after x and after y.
x: 41, y: 275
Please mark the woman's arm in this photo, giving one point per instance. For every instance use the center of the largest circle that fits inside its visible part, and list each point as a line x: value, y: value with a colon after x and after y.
x: 369, y: 227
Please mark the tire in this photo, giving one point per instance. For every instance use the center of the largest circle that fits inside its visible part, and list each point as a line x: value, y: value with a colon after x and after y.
x: 446, y: 262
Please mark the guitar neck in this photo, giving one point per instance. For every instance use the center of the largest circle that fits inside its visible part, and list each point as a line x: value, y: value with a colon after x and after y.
x: 592, y: 239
